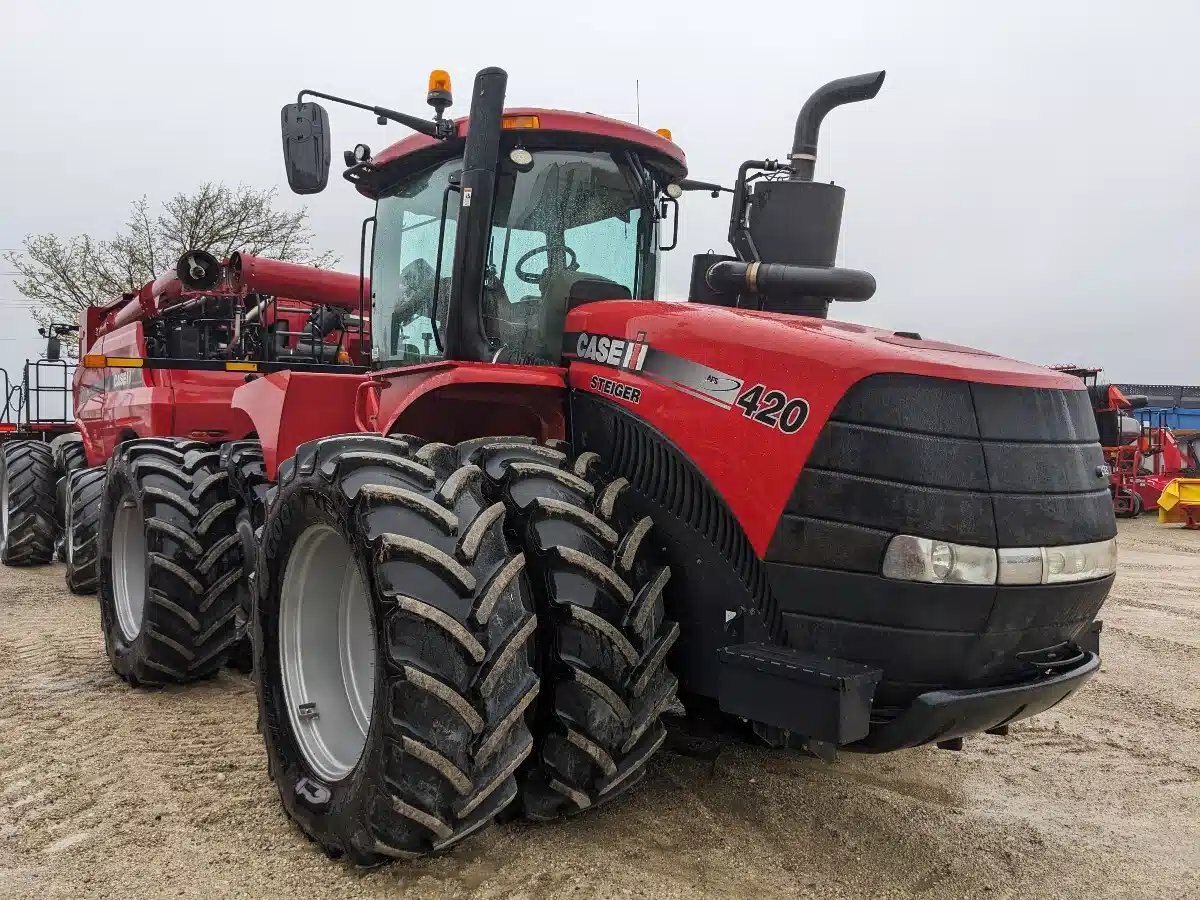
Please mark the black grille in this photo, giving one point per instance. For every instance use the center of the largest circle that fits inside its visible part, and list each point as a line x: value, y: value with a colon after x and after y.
x: 982, y: 464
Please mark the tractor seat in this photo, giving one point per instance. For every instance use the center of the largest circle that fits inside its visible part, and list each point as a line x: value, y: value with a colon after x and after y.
x: 563, y: 291
x: 590, y: 288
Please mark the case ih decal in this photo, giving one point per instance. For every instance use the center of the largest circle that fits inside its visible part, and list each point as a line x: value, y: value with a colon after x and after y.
x: 771, y: 408
x: 609, y: 351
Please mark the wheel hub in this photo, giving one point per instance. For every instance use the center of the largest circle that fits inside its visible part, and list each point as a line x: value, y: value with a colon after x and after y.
x: 68, y: 527
x: 129, y: 563
x: 327, y: 651
x: 3, y: 502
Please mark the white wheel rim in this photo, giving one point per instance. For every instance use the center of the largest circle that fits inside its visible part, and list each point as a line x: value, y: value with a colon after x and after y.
x: 3, y: 501
x: 129, y: 564
x: 68, y: 526
x: 327, y: 651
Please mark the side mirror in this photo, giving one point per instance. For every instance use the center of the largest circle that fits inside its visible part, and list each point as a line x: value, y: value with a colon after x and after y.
x: 53, y: 348
x: 305, y: 129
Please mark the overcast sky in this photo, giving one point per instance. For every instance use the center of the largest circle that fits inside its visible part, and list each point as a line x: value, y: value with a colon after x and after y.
x: 1026, y: 182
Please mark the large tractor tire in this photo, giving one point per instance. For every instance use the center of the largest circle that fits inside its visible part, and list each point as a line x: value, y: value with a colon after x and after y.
x: 243, y: 462
x: 170, y: 561
x: 394, y: 648
x: 604, y: 638
x: 68, y: 453
x: 27, y: 501
x: 68, y: 456
x: 81, y: 530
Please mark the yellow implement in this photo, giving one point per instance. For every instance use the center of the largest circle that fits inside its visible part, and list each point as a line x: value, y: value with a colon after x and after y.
x: 1180, y: 502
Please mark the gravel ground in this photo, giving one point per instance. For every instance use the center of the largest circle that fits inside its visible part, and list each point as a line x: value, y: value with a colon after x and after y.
x: 107, y: 792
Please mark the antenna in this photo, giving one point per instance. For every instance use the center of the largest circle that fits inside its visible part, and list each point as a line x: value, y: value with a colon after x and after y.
x: 637, y: 92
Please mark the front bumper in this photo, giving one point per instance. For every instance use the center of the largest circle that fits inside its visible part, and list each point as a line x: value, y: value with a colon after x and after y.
x: 944, y: 715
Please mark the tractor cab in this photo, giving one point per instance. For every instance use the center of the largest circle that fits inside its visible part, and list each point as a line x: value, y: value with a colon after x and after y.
x: 575, y: 201
x: 568, y: 226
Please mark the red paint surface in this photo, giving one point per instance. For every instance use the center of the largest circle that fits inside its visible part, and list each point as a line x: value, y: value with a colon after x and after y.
x: 112, y: 405
x: 288, y: 408
x: 455, y: 401
x: 260, y: 275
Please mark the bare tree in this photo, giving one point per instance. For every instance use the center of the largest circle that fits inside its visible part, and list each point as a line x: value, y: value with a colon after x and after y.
x: 64, y: 275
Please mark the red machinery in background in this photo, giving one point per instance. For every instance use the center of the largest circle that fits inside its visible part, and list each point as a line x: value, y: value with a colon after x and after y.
x: 154, y: 363
x: 196, y: 333
x: 1143, y: 454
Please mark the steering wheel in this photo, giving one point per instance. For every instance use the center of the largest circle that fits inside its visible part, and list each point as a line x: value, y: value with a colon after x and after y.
x: 532, y: 278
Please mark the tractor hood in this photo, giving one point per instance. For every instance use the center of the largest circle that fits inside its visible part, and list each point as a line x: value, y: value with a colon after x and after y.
x: 742, y: 391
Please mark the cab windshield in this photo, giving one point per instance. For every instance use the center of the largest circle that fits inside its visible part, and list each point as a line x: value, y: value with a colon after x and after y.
x: 568, y: 228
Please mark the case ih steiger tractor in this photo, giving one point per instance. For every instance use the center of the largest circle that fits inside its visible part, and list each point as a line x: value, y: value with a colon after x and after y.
x: 548, y: 507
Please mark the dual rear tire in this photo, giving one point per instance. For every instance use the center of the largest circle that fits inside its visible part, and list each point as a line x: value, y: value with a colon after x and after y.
x: 169, y: 568
x: 28, y: 521
x: 394, y: 661
x: 443, y: 633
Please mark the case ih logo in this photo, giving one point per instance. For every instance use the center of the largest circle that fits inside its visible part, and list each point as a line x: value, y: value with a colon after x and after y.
x: 611, y: 351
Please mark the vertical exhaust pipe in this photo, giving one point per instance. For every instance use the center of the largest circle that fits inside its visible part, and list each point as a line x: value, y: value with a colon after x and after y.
x: 465, y: 338
x: 816, y: 107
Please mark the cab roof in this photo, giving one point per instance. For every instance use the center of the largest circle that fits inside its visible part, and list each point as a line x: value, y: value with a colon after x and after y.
x: 418, y: 150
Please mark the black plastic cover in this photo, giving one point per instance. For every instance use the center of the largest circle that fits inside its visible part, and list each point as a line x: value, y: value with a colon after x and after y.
x: 814, y: 696
x: 992, y: 465
x: 929, y: 636
x: 989, y: 465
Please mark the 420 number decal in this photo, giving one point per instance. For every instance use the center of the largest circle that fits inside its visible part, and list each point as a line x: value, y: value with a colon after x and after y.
x: 773, y: 408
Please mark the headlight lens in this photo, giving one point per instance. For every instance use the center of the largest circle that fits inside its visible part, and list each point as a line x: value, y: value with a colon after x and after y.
x: 1079, y: 562
x: 912, y: 558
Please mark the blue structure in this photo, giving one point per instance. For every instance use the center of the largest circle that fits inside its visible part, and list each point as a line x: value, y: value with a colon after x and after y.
x: 1178, y: 404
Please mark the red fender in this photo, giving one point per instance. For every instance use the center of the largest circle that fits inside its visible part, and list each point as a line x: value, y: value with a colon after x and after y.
x: 289, y: 408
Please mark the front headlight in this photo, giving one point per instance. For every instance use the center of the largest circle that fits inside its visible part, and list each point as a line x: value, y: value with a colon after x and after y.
x: 912, y: 558
x: 1056, y: 565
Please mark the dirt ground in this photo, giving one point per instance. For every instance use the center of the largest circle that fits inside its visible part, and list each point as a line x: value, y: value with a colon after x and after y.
x: 108, y: 792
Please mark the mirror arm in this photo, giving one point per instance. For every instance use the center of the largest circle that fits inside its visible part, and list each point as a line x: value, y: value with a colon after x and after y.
x: 690, y: 184
x: 424, y: 126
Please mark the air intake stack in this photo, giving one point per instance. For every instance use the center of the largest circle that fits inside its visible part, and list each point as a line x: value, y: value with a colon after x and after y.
x: 784, y: 228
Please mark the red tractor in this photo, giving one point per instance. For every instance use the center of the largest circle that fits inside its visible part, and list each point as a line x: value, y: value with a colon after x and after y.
x: 548, y: 510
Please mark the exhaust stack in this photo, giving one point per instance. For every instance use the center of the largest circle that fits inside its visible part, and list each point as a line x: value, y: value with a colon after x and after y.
x: 824, y: 99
